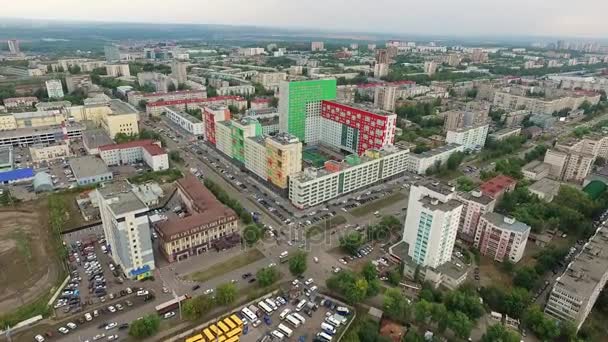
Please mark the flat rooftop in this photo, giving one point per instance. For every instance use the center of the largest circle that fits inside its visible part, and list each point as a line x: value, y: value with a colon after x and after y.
x: 88, y: 166
x: 124, y: 200
x: 587, y: 269
x: 185, y: 115
x: 436, y: 151
x: 435, y: 204
x: 360, y: 107
x: 476, y: 196
x: 42, y: 130
x: 546, y: 186
x: 121, y: 108
x: 436, y: 186
x: 95, y: 138
x: 6, y: 155
x: 285, y: 138
x: 504, y: 223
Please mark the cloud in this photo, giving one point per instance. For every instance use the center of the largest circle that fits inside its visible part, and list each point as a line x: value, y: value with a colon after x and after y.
x: 443, y: 17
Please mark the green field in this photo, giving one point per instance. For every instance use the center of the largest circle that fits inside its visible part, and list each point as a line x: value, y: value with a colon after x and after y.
x: 378, y: 205
x: 229, y: 265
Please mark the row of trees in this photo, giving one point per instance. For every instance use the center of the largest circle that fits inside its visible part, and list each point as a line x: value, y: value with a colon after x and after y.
x: 355, y: 287
x: 223, y: 197
x: 198, y: 307
x: 494, y: 149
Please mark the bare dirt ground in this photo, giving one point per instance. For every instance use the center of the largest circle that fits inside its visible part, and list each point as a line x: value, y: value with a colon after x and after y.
x: 28, y: 266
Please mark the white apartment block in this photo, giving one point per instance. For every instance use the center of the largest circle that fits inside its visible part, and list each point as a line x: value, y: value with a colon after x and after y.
x: 569, y: 166
x: 186, y: 121
x: 431, y: 224
x: 223, y: 137
x: 536, y: 105
x: 255, y: 156
x: 132, y: 152
x: 384, y: 98
x: 576, y: 290
x: 270, y: 80
x: 470, y: 137
x: 118, y: 70
x: 236, y: 90
x: 501, y: 238
x: 54, y: 89
x: 419, y: 163
x: 317, y: 46
x: 315, y: 186
x: 380, y: 70
x: 475, y: 204
x: 126, y: 227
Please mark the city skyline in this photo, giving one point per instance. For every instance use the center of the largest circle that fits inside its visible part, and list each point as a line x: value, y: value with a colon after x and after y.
x: 435, y: 17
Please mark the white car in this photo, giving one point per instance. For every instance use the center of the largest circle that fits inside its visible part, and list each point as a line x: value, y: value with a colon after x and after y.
x: 169, y: 315
x: 71, y: 325
x: 111, y: 309
x: 112, y: 337
x: 39, y: 338
x: 142, y: 292
x: 111, y: 326
x: 88, y: 317
x: 129, y: 291
x: 295, y: 282
x: 63, y: 330
x: 98, y: 336
x: 337, y: 269
x: 309, y: 281
x: 316, y: 260
x: 208, y: 291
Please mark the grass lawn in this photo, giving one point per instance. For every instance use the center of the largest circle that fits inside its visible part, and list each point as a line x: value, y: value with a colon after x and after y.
x: 229, y: 265
x: 325, y: 225
x: 377, y: 205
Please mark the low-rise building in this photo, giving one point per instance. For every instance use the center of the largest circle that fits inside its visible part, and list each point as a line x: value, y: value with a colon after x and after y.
x: 314, y: 186
x: 270, y: 80
x: 189, y: 123
x: 135, y: 96
x: 244, y: 90
x: 577, y: 289
x: 546, y: 189
x: 505, y: 133
x: 420, y: 163
x: 132, y: 152
x: 78, y: 82
x: 118, y: 70
x: 44, y: 152
x: 93, y: 139
x: 90, y: 170
x: 26, y: 102
x: 501, y: 237
x: 536, y: 170
x: 41, y: 135
x: 204, y: 223
x: 158, y: 107
x: 497, y: 186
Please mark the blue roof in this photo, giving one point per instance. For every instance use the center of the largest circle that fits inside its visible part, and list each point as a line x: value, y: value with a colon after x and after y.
x: 15, y: 175
x: 141, y: 270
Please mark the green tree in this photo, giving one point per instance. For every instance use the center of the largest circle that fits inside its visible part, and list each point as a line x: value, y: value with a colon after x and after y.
x: 394, y: 277
x: 455, y: 160
x: 251, y: 234
x: 525, y: 277
x: 197, y: 307
x: 74, y: 69
x: 171, y: 87
x: 267, y: 276
x: 465, y: 183
x: 225, y: 294
x: 211, y: 92
x: 460, y: 324
x: 422, y: 311
x: 175, y: 156
x: 498, y: 333
x: 412, y: 336
x: 396, y: 306
x: 465, y: 301
x: 545, y: 328
x: 145, y: 327
x: 369, y: 272
x: 439, y: 315
x: 351, y: 242
x: 297, y: 264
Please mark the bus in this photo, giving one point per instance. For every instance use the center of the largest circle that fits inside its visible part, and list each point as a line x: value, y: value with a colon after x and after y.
x: 171, y: 305
x: 229, y: 323
x: 328, y: 328
x: 208, y: 334
x: 223, y: 326
x: 300, y: 305
x: 196, y: 338
x: 249, y: 315
x: 293, y: 321
x: 234, y: 332
x: 284, y: 314
x: 343, y: 311
x: 285, y: 330
x: 278, y: 334
x: 267, y: 309
x: 324, y: 336
x: 233, y: 339
x: 332, y: 321
x: 271, y: 303
x: 236, y: 320
x: 215, y: 330
x: 300, y: 317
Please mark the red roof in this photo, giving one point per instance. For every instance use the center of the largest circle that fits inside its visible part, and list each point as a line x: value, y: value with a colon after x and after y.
x: 184, y: 101
x: 497, y: 186
x: 147, y: 144
x: 171, y: 93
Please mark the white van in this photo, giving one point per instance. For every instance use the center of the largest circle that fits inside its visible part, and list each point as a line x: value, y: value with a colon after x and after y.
x: 278, y: 335
x: 301, y: 305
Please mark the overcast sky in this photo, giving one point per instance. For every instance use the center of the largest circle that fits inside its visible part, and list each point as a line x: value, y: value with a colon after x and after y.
x: 585, y: 18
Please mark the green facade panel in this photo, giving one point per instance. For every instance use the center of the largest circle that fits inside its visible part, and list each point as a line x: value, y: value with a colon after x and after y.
x: 301, y: 94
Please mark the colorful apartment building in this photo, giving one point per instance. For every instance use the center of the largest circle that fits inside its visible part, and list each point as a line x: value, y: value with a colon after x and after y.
x: 211, y: 115
x: 284, y: 158
x: 300, y: 107
x: 501, y: 237
x: 356, y: 129
x: 241, y: 130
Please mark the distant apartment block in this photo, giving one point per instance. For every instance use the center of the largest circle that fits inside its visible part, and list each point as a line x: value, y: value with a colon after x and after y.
x: 538, y: 105
x: 211, y: 116
x: 317, y: 46
x: 420, y: 163
x: 189, y: 123
x: 118, y: 70
x: 472, y: 137
x: 384, y: 98
x: 270, y: 80
x: 54, y: 89
x: 157, y: 107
